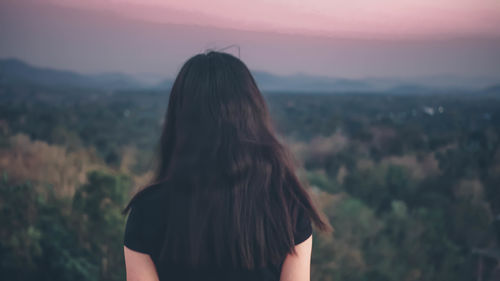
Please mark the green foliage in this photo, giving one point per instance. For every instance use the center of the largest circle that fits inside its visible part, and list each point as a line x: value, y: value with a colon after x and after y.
x: 413, y: 192
x: 379, y: 186
x: 39, y: 240
x: 322, y: 181
x: 36, y: 240
x: 97, y: 217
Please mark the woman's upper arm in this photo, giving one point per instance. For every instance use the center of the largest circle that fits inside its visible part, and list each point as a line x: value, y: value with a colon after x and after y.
x: 139, y: 266
x: 138, y: 244
x: 297, y: 267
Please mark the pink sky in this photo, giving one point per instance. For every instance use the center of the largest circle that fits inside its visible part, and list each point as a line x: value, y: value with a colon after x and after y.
x: 350, y: 18
x: 337, y: 38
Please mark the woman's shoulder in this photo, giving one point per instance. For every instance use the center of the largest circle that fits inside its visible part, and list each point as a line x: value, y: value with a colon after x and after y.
x: 148, y: 208
x: 303, y: 226
x: 145, y: 219
x: 150, y: 198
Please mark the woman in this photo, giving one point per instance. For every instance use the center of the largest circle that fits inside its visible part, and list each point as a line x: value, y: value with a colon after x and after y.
x: 225, y: 202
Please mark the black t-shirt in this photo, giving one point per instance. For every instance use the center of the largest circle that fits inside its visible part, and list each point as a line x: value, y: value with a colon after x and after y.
x: 144, y: 233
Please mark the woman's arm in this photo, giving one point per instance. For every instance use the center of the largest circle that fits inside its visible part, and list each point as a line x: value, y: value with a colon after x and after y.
x: 297, y: 267
x: 139, y: 266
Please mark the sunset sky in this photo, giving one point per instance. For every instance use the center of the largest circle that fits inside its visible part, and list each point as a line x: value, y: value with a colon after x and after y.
x: 327, y: 17
x: 355, y: 38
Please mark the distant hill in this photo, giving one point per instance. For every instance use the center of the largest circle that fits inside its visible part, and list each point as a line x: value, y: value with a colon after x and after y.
x: 308, y: 83
x: 494, y: 89
x: 17, y: 71
x: 14, y: 71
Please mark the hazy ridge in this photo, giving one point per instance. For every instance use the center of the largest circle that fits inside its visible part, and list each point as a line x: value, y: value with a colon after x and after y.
x: 15, y: 71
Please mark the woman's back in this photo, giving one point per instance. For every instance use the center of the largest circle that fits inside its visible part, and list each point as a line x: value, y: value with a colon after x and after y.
x: 148, y: 222
x: 225, y: 202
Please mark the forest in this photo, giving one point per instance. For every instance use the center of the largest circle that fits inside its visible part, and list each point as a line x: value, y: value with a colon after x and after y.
x: 409, y: 182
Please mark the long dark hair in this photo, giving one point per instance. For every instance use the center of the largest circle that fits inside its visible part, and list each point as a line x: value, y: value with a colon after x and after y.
x: 232, y: 193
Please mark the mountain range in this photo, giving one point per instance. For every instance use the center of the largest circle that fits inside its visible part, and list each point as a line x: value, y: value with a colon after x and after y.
x: 15, y: 71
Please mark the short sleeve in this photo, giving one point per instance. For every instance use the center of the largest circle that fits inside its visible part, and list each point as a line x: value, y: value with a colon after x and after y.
x: 134, y: 237
x: 303, y: 228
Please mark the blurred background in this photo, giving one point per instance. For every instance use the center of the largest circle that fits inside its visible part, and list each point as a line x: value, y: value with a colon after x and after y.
x: 392, y: 108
